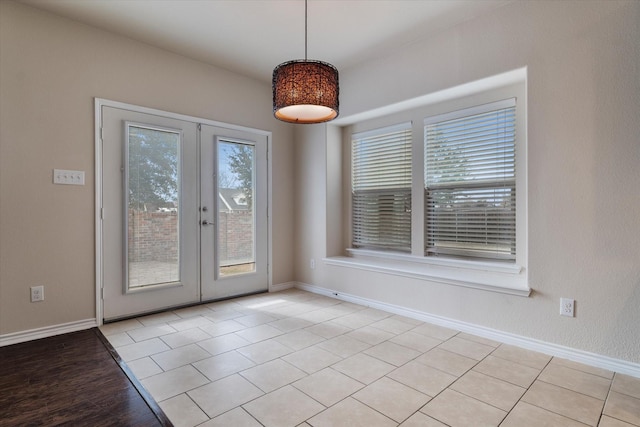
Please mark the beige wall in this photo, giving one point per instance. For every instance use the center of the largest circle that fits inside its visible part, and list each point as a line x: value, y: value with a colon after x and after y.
x: 583, y: 65
x: 50, y: 71
x: 583, y: 61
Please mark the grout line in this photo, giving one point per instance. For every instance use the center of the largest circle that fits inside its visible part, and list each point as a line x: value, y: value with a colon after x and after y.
x: 278, y: 317
x: 549, y: 410
x: 146, y: 396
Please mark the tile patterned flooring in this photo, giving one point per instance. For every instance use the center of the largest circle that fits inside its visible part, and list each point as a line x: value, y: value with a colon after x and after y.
x: 294, y: 358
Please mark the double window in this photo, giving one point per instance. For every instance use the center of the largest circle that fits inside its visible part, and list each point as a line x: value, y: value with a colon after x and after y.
x: 469, y: 181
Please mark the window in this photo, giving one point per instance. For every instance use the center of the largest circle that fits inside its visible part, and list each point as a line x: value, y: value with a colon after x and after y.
x: 381, y: 188
x: 470, y: 182
x: 442, y: 197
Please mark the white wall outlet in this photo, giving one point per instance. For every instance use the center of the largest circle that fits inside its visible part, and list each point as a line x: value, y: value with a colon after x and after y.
x: 566, y: 307
x: 61, y: 176
x: 37, y: 293
x: 312, y: 263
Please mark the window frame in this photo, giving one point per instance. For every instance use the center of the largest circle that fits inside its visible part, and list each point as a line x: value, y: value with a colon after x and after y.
x: 498, y: 179
x: 509, y: 277
x: 381, y: 190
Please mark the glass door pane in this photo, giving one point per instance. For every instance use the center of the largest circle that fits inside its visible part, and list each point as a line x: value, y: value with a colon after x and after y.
x: 233, y: 213
x: 149, y: 212
x: 153, y: 206
x: 236, y: 214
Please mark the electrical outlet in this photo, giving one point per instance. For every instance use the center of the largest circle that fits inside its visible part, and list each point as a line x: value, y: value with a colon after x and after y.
x: 566, y: 307
x: 37, y: 293
x: 312, y: 263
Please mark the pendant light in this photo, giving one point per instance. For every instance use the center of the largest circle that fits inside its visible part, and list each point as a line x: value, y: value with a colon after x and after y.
x: 304, y: 90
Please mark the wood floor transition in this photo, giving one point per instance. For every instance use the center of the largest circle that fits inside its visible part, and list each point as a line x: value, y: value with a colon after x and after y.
x: 71, y: 379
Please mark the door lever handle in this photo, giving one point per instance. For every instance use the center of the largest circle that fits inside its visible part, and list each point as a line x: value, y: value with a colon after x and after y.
x: 205, y: 222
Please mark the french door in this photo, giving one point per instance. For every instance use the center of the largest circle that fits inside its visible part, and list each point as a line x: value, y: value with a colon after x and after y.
x: 183, y: 212
x: 233, y: 211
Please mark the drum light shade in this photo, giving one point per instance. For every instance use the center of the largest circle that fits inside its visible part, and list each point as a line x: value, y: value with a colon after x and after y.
x: 305, y: 91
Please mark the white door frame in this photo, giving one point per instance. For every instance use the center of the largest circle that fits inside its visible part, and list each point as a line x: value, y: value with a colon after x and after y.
x: 98, y: 104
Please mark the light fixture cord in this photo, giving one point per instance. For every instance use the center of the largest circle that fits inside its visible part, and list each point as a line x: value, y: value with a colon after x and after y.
x: 305, y: 30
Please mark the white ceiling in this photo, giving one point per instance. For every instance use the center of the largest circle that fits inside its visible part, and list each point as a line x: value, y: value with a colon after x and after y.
x: 251, y: 37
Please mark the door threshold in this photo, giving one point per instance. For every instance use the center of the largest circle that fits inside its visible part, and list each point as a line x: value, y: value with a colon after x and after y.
x: 178, y: 307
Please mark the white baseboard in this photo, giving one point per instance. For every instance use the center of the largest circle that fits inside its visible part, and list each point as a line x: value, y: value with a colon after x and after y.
x: 282, y: 286
x: 587, y: 358
x: 47, y: 331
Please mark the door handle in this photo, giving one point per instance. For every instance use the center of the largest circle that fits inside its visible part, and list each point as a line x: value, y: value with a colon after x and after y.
x: 205, y: 222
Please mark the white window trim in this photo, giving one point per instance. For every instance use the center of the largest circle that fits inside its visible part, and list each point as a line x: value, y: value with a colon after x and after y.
x: 463, y: 114
x: 367, y: 186
x: 502, y: 277
x: 489, y: 276
x: 471, y: 111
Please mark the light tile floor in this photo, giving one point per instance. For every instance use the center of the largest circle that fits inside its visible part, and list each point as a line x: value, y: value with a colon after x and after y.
x: 294, y: 358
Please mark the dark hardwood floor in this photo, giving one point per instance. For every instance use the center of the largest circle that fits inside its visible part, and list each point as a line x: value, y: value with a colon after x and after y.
x: 73, y: 379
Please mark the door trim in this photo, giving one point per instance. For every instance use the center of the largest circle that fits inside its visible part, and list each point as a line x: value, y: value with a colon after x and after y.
x: 101, y: 102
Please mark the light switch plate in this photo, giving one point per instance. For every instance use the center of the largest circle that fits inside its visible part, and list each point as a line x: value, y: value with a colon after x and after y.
x: 61, y: 176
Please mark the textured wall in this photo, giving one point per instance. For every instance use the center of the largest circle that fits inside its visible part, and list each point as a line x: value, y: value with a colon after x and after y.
x: 51, y: 69
x: 583, y: 67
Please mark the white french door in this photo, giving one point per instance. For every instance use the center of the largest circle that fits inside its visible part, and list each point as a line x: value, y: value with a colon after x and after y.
x: 183, y: 212
x: 233, y: 212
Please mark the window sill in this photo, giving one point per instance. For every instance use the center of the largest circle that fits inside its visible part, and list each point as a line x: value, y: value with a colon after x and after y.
x: 490, y: 276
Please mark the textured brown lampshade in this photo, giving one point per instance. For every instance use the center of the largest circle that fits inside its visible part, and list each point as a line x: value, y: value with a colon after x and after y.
x: 305, y: 91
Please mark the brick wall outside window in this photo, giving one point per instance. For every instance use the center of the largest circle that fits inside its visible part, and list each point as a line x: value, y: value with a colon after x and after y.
x: 153, y: 236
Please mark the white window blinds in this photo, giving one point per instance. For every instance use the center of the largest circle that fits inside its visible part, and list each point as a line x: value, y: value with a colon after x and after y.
x: 381, y: 188
x: 470, y: 182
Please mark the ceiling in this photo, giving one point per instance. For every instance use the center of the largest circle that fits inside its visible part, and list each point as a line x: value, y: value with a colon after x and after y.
x: 251, y: 37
